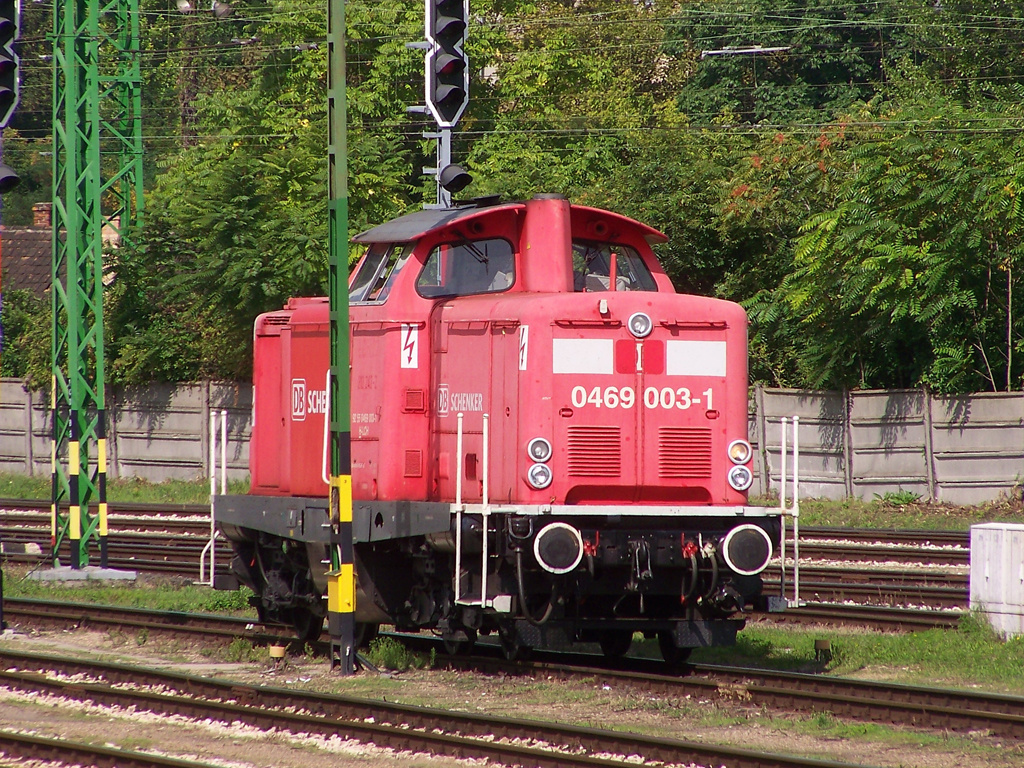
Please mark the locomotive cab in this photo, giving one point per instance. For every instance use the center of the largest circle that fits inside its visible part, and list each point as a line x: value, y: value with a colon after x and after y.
x: 548, y: 442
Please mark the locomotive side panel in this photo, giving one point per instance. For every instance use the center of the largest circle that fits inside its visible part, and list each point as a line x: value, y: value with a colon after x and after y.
x: 267, y: 417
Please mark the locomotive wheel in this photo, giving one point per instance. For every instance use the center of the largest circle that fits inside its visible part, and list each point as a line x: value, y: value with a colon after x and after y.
x: 455, y: 647
x: 670, y: 652
x: 615, y: 643
x: 511, y: 647
x: 308, y: 625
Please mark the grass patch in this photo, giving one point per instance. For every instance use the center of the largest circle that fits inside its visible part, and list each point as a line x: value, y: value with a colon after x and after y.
x: 155, y: 594
x: 391, y: 653
x: 972, y: 655
x: 903, y: 510
x: 123, y: 490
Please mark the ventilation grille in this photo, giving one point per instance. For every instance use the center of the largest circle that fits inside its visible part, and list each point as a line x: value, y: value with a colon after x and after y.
x: 595, y: 452
x: 414, y: 463
x: 684, y: 452
x: 415, y: 401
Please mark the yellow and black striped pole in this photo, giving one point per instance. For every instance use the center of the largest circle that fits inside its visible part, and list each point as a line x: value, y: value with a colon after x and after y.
x: 341, y: 602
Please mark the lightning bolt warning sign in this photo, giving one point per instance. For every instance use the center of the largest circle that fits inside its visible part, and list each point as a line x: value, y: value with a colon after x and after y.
x: 410, y: 346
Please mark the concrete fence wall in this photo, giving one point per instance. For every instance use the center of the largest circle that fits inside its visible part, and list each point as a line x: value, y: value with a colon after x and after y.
x: 962, y: 450
x: 156, y: 433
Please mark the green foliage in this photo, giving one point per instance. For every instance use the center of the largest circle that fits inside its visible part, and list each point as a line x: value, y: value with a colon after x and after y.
x: 25, y: 319
x: 832, y: 55
x: 858, y: 192
x: 897, y: 498
x: 389, y: 653
x: 241, y: 649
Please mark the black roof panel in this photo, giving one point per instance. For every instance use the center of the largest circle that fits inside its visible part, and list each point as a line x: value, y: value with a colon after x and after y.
x: 412, y: 226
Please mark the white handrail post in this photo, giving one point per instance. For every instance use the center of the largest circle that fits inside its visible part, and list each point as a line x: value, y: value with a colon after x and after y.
x: 223, y: 452
x: 213, y: 491
x: 458, y: 508
x: 485, y: 513
x: 324, y: 470
x: 782, y: 508
x: 796, y: 510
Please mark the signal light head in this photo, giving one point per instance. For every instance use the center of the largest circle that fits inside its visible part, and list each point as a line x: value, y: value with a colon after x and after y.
x: 454, y: 178
x: 8, y: 61
x: 447, y: 64
x: 8, y: 178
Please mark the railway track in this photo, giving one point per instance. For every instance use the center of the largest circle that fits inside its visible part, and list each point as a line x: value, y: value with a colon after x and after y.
x: 25, y: 747
x: 920, y: 707
x: 507, y: 741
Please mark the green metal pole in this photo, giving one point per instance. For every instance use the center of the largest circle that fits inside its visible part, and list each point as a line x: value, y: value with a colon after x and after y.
x: 341, y: 578
x: 78, y: 381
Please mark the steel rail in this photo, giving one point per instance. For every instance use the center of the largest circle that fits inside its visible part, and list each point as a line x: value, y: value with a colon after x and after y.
x: 860, y: 700
x: 397, y: 726
x: 65, y: 752
x: 88, y: 614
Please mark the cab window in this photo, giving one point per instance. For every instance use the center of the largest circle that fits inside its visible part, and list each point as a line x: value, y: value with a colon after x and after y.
x: 466, y: 268
x: 377, y: 272
x: 593, y: 264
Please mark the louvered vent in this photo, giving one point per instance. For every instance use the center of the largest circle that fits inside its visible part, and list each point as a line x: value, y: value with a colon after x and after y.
x: 684, y: 452
x: 595, y: 452
x: 415, y: 401
x: 414, y: 463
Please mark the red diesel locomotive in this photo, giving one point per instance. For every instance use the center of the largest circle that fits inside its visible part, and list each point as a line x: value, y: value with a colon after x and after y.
x: 548, y: 442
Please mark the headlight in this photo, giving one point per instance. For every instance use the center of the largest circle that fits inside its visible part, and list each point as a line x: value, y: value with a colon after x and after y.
x: 640, y: 325
x: 740, y: 451
x: 539, y: 476
x: 539, y: 449
x: 740, y: 477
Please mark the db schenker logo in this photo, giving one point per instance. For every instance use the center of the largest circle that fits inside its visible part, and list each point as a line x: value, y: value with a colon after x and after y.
x: 298, y: 399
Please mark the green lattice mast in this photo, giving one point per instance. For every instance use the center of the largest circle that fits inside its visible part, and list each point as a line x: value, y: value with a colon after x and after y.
x: 79, y: 447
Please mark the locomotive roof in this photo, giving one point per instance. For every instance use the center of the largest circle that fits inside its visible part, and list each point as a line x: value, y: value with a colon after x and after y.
x: 414, y: 225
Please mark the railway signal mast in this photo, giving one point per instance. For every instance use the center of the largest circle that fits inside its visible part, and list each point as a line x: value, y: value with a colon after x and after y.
x: 446, y: 76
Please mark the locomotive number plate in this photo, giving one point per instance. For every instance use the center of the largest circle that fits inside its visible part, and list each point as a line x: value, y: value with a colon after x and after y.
x: 654, y: 397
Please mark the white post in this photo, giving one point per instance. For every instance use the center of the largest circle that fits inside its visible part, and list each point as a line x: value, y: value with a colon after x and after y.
x: 213, y: 491
x: 458, y: 508
x: 796, y: 510
x: 484, y: 515
x: 223, y: 453
x: 782, y: 508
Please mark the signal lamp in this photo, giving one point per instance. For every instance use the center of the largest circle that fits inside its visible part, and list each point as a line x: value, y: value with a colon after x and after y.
x: 8, y: 60
x: 454, y: 178
x: 8, y: 178
x: 447, y: 74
